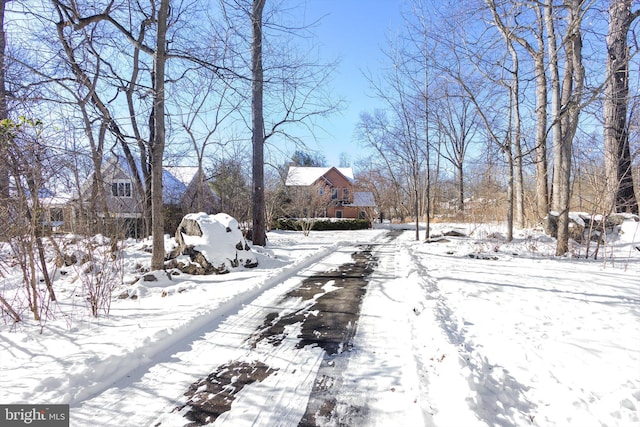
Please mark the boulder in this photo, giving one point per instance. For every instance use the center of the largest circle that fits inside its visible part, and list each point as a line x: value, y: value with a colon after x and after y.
x: 583, y: 226
x: 214, y: 244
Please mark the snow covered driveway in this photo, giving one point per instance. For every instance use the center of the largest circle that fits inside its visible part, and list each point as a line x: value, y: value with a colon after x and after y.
x: 462, y: 332
x: 303, y: 366
x: 280, y: 360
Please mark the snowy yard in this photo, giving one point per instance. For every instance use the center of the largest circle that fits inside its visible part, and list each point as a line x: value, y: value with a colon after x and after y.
x: 467, y: 331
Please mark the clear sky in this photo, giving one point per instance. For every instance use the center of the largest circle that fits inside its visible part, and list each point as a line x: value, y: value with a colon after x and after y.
x: 354, y: 32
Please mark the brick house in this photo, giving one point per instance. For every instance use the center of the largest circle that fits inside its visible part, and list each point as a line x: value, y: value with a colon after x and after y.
x: 336, y: 187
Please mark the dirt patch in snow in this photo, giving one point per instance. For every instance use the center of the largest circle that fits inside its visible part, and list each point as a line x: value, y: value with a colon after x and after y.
x: 329, y: 320
x: 212, y: 396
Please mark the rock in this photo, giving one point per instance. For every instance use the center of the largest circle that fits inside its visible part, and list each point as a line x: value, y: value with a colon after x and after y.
x: 66, y: 260
x: 484, y: 257
x: 576, y: 226
x: 583, y: 226
x: 213, y: 243
x: 438, y: 240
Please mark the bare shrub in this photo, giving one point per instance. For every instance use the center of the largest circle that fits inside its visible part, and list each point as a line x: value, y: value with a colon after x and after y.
x: 100, y: 270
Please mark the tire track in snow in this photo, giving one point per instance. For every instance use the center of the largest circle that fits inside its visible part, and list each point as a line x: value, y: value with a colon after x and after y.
x: 499, y: 399
x: 374, y: 384
x: 290, y: 342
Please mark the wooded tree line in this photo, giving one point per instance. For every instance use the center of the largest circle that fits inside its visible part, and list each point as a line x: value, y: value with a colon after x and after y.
x: 155, y: 82
x: 533, y: 91
x: 503, y: 93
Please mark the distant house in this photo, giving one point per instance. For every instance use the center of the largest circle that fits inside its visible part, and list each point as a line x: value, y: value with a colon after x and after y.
x: 56, y: 208
x: 184, y: 190
x: 337, y: 187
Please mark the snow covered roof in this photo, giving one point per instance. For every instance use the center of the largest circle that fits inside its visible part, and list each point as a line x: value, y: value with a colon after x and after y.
x: 46, y: 196
x: 184, y: 174
x: 172, y: 187
x: 363, y: 199
x: 54, y: 194
x: 58, y: 199
x: 303, y: 175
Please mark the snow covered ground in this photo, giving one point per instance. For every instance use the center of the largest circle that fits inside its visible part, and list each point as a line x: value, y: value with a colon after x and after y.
x: 464, y: 331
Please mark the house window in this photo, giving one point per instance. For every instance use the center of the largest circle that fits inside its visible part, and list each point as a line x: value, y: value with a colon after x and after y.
x: 321, y: 191
x: 338, y: 214
x: 361, y: 215
x: 345, y: 194
x: 121, y: 189
x: 334, y: 194
x: 56, y: 214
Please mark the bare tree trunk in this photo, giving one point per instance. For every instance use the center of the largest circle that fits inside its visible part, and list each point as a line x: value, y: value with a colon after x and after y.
x: 516, y: 144
x: 416, y: 207
x: 12, y: 312
x: 158, y: 142
x: 516, y: 197
x: 542, y: 183
x: 507, y: 149
x: 510, y: 196
x: 562, y: 159
x: 4, y: 157
x: 427, y: 149
x: 538, y: 56
x: 619, y: 191
x: 257, y: 119
x: 460, y: 187
x: 566, y: 121
x: 554, y: 74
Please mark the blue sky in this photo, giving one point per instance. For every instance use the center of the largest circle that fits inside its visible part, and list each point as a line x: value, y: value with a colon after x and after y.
x: 353, y: 31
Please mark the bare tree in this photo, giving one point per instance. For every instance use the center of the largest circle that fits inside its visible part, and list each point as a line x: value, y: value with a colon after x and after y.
x: 157, y: 143
x: 399, y: 137
x: 419, y: 50
x: 4, y: 169
x: 397, y: 143
x: 538, y: 53
x: 205, y: 104
x: 566, y: 98
x: 231, y: 182
x: 158, y: 15
x: 515, y: 133
x: 309, y: 204
x: 30, y: 163
x: 457, y: 124
x: 257, y: 125
x: 620, y: 194
x: 288, y: 88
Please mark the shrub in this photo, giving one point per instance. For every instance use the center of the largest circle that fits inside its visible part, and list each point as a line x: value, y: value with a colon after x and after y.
x: 322, y: 224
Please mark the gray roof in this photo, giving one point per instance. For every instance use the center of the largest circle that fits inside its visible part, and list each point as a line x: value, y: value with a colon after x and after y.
x: 363, y: 199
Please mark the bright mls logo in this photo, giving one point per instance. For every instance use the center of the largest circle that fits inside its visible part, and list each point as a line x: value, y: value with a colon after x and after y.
x: 34, y: 415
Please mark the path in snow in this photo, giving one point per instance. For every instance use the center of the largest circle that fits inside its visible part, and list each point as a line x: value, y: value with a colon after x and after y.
x: 329, y: 306
x: 283, y: 359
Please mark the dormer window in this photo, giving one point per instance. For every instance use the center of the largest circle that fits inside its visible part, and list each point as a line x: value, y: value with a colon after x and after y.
x: 334, y: 194
x: 121, y: 188
x: 345, y: 194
